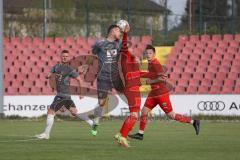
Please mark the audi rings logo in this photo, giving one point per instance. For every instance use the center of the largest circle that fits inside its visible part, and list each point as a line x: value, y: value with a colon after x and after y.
x: 211, y: 106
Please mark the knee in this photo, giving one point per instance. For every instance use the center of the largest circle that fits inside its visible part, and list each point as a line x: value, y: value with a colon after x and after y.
x: 134, y: 115
x: 102, y: 103
x: 171, y: 115
x: 73, y: 111
x: 51, y: 112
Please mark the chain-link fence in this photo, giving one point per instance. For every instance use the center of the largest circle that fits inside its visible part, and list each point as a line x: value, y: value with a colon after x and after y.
x: 54, y: 18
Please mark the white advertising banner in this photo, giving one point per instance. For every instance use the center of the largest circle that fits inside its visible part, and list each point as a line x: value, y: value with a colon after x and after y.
x: 34, y: 106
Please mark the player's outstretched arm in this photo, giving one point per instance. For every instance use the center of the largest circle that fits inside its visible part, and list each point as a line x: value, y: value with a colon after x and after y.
x: 80, y: 82
x: 161, y: 78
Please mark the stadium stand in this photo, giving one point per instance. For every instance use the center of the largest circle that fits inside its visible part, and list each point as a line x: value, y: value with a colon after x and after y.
x: 197, y: 64
x: 27, y: 61
x: 205, y: 64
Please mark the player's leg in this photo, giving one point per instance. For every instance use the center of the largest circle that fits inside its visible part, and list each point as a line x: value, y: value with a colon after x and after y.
x: 165, y: 104
x: 103, y: 86
x: 55, y: 106
x: 126, y: 128
x: 134, y: 102
x: 148, y: 106
x: 83, y: 116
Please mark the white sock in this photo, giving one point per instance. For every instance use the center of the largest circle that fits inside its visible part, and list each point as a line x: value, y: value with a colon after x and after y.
x: 141, y: 131
x: 84, y: 117
x: 49, y: 123
x: 192, y: 121
x: 98, y: 111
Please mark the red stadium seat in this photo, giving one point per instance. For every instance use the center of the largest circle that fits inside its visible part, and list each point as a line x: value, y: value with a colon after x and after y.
x: 180, y: 89
x: 203, y: 89
x: 205, y: 38
x: 192, y: 89
x: 48, y: 40
x: 215, y: 89
x: 194, y: 38
x: 233, y: 75
x: 201, y: 45
x: 183, y: 38
x: 227, y: 37
x: 237, y: 37
x: 190, y: 44
x: 178, y: 69
x: 24, y: 90
x: 234, y: 44
x: 222, y: 44
x: 187, y: 50
x: 194, y: 82
x: 209, y: 75
x: 189, y: 69
x: 212, y: 44
x: 11, y: 91
x: 216, y: 38
x: 221, y: 76
x: 70, y: 40
x: 182, y: 82
x: 175, y: 76
x: 186, y: 75
x: 59, y: 40
x: 192, y: 63
x: 198, y: 75
x: 201, y: 68
x: 206, y: 82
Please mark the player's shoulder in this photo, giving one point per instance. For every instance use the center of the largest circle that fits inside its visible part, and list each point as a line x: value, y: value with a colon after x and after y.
x: 100, y: 42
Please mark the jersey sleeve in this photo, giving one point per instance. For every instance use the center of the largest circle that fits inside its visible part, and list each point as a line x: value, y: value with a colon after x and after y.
x: 124, y: 41
x: 53, y: 69
x: 146, y: 74
x: 74, y: 74
x: 96, y: 48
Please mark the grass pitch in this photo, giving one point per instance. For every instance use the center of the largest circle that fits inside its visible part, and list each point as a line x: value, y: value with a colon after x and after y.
x: 164, y: 140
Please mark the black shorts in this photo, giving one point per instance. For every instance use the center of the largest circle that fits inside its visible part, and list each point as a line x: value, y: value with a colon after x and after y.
x: 104, y: 86
x: 60, y: 102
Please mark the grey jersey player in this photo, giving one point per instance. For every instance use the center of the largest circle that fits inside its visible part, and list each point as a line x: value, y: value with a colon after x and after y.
x: 108, y: 53
x: 63, y: 72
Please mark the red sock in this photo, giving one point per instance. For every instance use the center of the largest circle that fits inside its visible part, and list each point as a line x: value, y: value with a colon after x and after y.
x: 181, y: 118
x: 143, y: 122
x: 128, y: 125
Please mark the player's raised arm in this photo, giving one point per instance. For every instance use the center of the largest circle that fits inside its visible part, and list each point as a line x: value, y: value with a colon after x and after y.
x: 80, y: 82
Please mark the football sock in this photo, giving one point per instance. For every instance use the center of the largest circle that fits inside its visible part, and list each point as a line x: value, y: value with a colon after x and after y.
x: 143, y: 122
x: 128, y: 125
x: 49, y: 123
x: 84, y: 117
x: 97, y: 114
x: 183, y: 119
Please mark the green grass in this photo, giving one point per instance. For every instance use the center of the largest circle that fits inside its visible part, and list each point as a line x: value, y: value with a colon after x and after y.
x: 164, y: 140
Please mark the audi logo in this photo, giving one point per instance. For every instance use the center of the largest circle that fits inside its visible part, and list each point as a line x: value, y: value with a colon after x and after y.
x: 211, y: 106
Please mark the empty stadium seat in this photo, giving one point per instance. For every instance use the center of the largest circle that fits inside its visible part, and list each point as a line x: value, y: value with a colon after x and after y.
x: 205, y: 38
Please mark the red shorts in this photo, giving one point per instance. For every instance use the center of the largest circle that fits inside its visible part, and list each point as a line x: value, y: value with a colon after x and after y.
x: 134, y: 98
x: 162, y: 100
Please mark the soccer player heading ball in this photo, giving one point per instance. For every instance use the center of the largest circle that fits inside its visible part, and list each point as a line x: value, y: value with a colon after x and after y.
x: 156, y: 97
x: 108, y: 77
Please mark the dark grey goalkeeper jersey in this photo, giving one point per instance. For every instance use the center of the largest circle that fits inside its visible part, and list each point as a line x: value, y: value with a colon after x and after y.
x: 108, y: 55
x: 63, y: 73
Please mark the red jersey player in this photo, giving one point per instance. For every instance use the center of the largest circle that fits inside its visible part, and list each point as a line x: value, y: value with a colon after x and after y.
x: 159, y: 96
x: 131, y: 74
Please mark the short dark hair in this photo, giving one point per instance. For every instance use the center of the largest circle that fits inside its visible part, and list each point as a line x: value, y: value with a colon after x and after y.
x: 111, y: 27
x: 64, y: 51
x: 149, y: 46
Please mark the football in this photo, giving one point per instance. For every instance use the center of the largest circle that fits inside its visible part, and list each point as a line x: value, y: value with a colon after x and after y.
x: 122, y: 23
